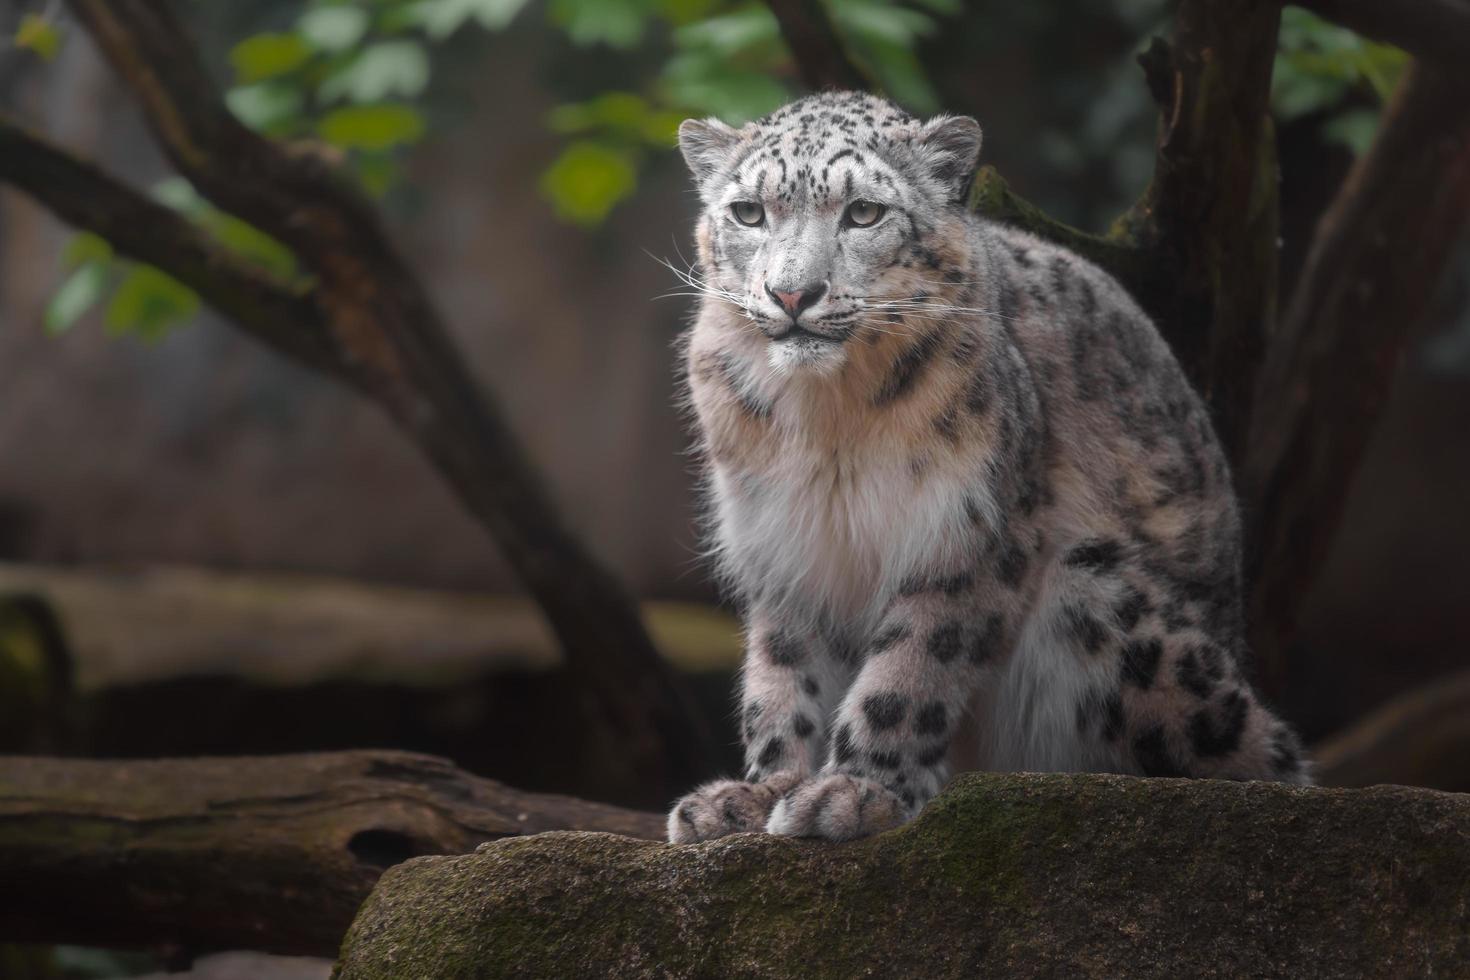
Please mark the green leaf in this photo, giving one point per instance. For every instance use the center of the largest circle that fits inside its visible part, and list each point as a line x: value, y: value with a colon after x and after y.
x: 333, y: 29
x: 616, y: 23
x: 272, y: 107
x: 709, y: 85
x: 881, y: 22
x: 949, y: 7
x: 372, y: 127
x: 685, y: 11
x: 1354, y: 129
x: 1318, y: 64
x: 1383, y: 65
x: 662, y: 128
x: 587, y: 180
x: 76, y: 295
x: 731, y: 33
x: 39, y: 35
x: 85, y: 247
x: 619, y: 110
x: 148, y: 302
x: 377, y: 172
x: 176, y: 192
x: 268, y: 56
x: 384, y: 69
x: 900, y: 74
x: 250, y: 242
x: 441, y: 18
x: 238, y: 236
x: 620, y: 115
x: 1298, y: 93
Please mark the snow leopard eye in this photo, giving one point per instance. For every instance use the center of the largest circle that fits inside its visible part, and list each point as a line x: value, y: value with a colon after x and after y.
x: 748, y: 213
x: 861, y: 214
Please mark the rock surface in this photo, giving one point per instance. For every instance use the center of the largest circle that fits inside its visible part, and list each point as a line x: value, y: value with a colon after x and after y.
x: 1016, y: 876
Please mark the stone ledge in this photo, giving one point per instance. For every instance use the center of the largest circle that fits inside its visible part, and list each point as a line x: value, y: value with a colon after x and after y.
x: 1017, y: 876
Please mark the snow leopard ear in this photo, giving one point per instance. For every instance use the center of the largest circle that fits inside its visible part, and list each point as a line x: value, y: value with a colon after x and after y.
x: 706, y: 145
x: 949, y: 147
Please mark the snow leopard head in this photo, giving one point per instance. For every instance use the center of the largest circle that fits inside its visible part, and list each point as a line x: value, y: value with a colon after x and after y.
x: 828, y: 215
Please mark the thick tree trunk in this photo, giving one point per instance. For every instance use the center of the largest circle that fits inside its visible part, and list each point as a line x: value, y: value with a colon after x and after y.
x: 1014, y: 876
x: 266, y: 853
x: 1209, y: 217
x: 1370, y: 276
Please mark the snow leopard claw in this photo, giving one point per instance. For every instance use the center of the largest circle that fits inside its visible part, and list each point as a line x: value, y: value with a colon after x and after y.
x: 836, y: 807
x: 726, y: 806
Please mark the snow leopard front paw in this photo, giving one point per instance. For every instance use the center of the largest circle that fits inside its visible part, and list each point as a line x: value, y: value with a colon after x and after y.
x: 837, y: 807
x: 726, y: 806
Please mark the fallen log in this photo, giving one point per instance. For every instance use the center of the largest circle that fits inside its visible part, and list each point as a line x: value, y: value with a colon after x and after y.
x: 1014, y: 876
x: 262, y: 853
x: 132, y: 624
x: 267, y: 663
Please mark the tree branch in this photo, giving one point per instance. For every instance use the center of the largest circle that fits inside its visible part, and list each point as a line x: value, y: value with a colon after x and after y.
x: 815, y: 46
x: 368, y: 320
x: 1370, y: 274
x: 1118, y: 254
x: 1433, y: 30
x: 271, y: 853
x: 82, y: 195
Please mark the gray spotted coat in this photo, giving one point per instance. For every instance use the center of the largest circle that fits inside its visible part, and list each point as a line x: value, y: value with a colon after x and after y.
x: 973, y: 512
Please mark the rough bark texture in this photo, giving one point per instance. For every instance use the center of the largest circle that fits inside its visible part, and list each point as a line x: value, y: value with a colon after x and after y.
x: 267, y: 853
x: 1016, y: 876
x: 1209, y: 217
x: 1370, y: 276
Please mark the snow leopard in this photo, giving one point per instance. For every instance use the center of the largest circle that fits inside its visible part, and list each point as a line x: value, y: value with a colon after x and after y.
x: 971, y: 510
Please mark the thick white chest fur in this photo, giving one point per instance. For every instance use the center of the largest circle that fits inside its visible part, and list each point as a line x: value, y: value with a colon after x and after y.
x: 839, y: 528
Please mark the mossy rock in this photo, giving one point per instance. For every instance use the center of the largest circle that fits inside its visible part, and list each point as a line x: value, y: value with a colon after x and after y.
x: 1016, y: 876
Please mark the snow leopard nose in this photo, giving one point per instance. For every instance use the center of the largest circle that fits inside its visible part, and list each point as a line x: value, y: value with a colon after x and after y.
x: 798, y: 300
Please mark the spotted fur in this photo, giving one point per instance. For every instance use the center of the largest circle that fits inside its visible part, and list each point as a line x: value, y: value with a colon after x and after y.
x: 974, y: 513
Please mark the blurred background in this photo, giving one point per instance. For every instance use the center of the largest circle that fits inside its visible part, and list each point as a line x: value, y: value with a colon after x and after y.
x: 207, y: 549
x: 534, y: 188
x: 226, y: 553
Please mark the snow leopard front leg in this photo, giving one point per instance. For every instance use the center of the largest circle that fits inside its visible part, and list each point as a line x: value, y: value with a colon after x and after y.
x: 939, y: 641
x: 790, y: 682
